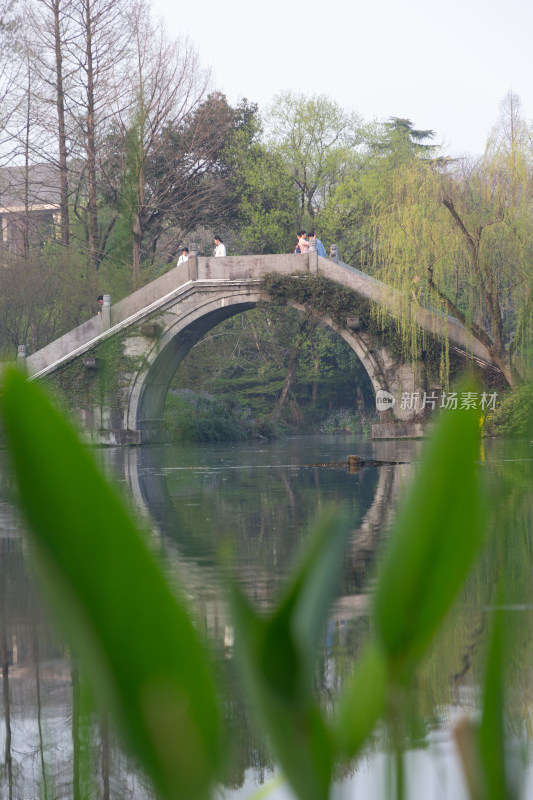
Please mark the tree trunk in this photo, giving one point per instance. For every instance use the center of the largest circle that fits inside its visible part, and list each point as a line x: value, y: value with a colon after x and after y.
x: 488, y: 292
x: 61, y: 127
x: 360, y: 400
x: 289, y: 380
x: 26, y: 226
x: 306, y: 328
x: 137, y: 237
x: 139, y: 162
x: 91, y: 145
x: 314, y: 392
x: 296, y: 412
x: 39, y: 713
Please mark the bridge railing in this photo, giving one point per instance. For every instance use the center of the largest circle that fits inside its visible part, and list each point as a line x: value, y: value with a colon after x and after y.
x: 231, y: 268
x: 235, y: 268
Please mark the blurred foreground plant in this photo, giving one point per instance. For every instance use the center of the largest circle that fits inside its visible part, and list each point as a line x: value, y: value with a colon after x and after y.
x: 146, y: 663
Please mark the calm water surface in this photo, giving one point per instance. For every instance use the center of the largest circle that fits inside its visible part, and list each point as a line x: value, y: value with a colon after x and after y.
x: 259, y: 502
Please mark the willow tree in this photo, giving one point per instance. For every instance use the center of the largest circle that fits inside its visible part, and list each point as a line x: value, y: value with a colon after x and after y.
x: 368, y: 178
x: 460, y: 237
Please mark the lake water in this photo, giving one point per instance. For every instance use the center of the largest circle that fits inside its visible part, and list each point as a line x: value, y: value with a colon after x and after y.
x: 260, y: 501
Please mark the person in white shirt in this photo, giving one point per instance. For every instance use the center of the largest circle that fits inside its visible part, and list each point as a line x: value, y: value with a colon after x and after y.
x: 220, y: 247
x: 184, y: 256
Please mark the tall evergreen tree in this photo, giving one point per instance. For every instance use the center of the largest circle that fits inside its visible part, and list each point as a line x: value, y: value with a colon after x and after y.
x: 400, y: 138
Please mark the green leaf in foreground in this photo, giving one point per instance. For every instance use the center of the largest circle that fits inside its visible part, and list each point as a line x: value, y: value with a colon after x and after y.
x: 481, y: 745
x: 432, y: 546
x: 278, y: 655
x: 491, y: 735
x: 135, y: 638
x: 363, y: 702
x: 438, y: 533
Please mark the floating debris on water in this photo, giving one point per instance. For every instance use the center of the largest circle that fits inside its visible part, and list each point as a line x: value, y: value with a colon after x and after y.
x: 353, y: 463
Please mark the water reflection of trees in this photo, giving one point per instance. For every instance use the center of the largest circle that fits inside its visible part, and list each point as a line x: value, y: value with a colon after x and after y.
x: 59, y: 747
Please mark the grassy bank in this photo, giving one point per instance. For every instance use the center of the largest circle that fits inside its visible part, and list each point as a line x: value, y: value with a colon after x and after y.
x: 513, y: 416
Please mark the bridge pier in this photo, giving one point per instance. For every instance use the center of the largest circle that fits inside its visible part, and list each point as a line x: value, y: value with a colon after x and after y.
x: 398, y: 430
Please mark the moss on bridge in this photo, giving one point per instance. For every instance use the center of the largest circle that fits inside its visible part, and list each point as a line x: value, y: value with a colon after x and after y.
x: 76, y: 385
x: 327, y: 297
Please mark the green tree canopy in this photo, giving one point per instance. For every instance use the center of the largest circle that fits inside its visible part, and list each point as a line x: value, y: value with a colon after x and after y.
x: 262, y: 192
x: 316, y: 138
x: 400, y: 138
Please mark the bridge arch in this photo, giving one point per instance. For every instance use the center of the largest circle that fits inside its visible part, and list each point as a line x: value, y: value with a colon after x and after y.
x: 149, y: 386
x: 181, y: 331
x: 140, y: 468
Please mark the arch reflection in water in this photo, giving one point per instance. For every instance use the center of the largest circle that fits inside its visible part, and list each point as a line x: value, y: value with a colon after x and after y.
x: 262, y: 500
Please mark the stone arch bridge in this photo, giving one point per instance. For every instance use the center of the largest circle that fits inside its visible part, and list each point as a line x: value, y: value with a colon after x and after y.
x: 115, y: 369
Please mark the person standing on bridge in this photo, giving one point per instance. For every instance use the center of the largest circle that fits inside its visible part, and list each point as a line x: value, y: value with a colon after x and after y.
x: 303, y: 244
x: 184, y: 256
x: 321, y: 250
x: 220, y: 247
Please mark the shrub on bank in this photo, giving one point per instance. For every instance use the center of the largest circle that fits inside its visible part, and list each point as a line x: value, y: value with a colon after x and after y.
x: 514, y: 415
x: 201, y: 417
x: 344, y: 420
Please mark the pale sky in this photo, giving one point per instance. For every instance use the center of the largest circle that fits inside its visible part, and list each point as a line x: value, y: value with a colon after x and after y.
x: 446, y: 66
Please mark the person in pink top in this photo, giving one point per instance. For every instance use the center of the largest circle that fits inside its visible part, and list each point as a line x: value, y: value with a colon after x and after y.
x: 303, y: 244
